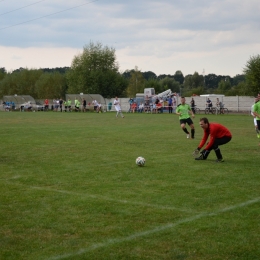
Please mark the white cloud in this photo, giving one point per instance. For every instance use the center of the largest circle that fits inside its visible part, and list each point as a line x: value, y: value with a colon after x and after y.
x: 162, y: 36
x: 13, y: 57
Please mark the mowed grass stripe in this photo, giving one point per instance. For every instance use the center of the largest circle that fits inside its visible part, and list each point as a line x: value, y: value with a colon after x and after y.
x: 155, y: 230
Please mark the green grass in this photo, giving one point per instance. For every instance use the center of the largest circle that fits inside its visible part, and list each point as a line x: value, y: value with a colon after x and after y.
x: 70, y: 189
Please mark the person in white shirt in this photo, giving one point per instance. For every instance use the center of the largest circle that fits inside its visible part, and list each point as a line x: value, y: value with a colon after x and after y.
x: 118, y: 107
x: 174, y: 104
x: 95, y: 103
x: 99, y: 109
x: 141, y: 108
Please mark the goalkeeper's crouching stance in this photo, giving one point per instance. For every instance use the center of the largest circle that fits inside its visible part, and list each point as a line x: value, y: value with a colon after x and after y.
x: 219, y: 135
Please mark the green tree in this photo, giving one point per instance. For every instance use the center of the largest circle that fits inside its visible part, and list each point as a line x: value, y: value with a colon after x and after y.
x: 26, y: 80
x: 197, y: 91
x: 96, y: 71
x: 187, y: 82
x: 169, y: 83
x: 51, y: 85
x: 212, y: 81
x: 252, y: 74
x: 2, y: 73
x: 153, y: 83
x: 20, y: 82
x: 136, y: 83
x: 193, y: 81
x: 149, y: 75
x: 197, y: 80
x: 238, y: 79
x: 240, y: 89
x: 178, y: 76
x: 223, y: 87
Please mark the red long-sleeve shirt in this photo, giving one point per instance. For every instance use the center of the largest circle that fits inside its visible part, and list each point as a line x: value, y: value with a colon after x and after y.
x: 215, y: 131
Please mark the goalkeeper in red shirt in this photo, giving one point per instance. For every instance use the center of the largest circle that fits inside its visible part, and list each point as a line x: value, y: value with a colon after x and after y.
x: 219, y: 135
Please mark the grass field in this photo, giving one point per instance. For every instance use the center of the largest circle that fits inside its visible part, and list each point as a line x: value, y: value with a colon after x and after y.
x: 70, y: 189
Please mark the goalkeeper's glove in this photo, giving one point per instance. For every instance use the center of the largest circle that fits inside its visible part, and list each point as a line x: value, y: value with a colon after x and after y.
x: 204, y: 154
x: 196, y: 152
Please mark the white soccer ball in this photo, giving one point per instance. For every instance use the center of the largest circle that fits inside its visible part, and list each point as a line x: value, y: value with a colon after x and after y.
x: 140, y: 161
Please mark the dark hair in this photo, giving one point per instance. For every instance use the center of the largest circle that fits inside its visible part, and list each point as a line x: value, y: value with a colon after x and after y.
x: 205, y: 120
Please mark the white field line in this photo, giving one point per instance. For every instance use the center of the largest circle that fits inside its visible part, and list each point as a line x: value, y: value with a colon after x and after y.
x: 152, y: 231
x: 114, y: 200
x: 104, y: 198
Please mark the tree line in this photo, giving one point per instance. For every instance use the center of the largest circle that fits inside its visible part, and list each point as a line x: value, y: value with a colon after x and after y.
x: 96, y: 71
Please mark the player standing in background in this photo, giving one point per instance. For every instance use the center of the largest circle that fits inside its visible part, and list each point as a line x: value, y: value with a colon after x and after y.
x: 255, y: 122
x: 65, y: 105
x: 77, y: 104
x: 60, y: 104
x: 184, y: 111
x: 209, y: 104
x: 46, y: 104
x: 69, y: 105
x: 170, y: 105
x: 256, y: 113
x: 192, y: 104
x: 84, y: 105
x: 219, y: 135
x: 118, y: 107
x: 174, y: 102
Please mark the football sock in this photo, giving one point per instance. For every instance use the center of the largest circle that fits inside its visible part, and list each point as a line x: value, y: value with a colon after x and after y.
x: 185, y: 130
x: 218, y: 153
x: 192, y: 133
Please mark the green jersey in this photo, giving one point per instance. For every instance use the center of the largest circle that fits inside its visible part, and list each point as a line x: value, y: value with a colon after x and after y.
x: 184, y: 110
x: 256, y: 109
x: 77, y: 103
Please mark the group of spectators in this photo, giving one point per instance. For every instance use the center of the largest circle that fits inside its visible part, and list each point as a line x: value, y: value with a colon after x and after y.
x: 66, y: 105
x: 8, y: 106
x: 58, y: 104
x: 209, y: 105
x: 153, y: 107
x: 11, y: 106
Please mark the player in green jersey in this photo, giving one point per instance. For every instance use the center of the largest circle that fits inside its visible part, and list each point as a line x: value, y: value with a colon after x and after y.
x: 256, y: 113
x: 184, y: 111
x: 69, y: 105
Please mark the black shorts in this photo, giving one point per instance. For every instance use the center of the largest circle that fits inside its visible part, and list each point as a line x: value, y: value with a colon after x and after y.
x: 186, y: 121
x: 258, y: 124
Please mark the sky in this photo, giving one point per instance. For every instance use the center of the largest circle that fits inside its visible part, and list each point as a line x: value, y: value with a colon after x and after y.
x: 204, y: 36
